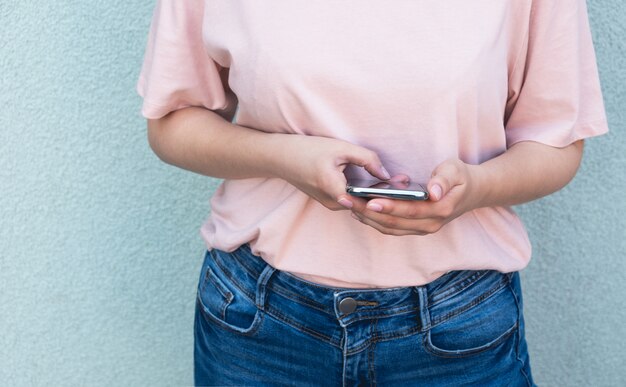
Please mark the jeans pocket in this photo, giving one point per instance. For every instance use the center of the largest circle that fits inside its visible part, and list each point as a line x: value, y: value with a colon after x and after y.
x: 480, y: 324
x: 223, y: 303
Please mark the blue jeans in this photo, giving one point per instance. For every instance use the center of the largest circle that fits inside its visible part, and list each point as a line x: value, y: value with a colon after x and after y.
x: 258, y: 326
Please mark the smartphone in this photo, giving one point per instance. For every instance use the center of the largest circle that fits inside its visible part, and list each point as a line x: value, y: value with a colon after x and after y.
x: 386, y: 189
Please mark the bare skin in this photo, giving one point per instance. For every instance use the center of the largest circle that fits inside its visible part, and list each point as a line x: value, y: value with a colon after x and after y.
x: 205, y: 142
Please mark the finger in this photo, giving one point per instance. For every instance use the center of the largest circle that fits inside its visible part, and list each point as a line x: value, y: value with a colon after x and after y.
x: 387, y: 220
x: 359, y: 205
x: 401, y: 178
x: 407, y: 209
x: 351, y: 202
x: 444, y: 177
x: 334, y: 183
x: 334, y: 190
x: 398, y: 182
x: 396, y: 230
x: 370, y: 161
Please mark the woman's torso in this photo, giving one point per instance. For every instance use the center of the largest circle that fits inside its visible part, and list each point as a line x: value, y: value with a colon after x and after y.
x: 416, y: 81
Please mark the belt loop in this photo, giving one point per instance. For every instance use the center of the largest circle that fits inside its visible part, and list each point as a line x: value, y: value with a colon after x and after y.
x: 422, y: 294
x: 261, y: 286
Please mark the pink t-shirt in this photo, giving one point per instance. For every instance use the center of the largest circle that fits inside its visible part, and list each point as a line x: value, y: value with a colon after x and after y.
x: 416, y: 81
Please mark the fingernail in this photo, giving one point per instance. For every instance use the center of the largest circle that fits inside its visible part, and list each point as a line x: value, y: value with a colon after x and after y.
x: 345, y: 202
x: 436, y: 192
x: 386, y: 174
x: 374, y: 207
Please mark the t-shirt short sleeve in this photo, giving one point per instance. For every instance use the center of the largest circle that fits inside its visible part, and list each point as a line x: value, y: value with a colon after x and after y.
x: 177, y: 70
x: 555, y: 96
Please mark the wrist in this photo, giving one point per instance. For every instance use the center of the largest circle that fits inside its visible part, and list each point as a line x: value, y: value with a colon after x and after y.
x: 480, y: 187
x: 274, y: 157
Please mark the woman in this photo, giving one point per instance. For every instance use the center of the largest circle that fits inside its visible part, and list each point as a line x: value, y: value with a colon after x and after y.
x: 487, y: 103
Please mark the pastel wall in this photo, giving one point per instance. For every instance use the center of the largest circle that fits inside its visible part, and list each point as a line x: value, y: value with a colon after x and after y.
x: 99, y: 243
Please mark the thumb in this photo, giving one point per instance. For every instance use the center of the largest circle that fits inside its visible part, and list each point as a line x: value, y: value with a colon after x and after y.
x: 443, y: 179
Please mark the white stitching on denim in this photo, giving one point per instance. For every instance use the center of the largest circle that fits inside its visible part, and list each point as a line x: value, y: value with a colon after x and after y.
x: 519, y: 332
x: 456, y: 287
x: 345, y: 355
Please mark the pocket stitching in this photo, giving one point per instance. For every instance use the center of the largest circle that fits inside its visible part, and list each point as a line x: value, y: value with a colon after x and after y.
x: 210, y: 317
x: 431, y: 348
x: 448, y: 353
x: 221, y: 288
x: 228, y: 275
x: 475, y: 302
x: 437, y: 297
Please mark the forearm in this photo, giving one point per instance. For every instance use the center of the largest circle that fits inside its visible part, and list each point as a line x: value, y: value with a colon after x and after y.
x: 527, y: 171
x: 202, y: 141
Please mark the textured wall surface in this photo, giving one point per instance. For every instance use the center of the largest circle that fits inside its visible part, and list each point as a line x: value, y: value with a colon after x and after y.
x: 99, y: 243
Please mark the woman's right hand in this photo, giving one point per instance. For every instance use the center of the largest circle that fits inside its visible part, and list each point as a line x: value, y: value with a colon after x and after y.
x: 315, y: 166
x: 200, y: 140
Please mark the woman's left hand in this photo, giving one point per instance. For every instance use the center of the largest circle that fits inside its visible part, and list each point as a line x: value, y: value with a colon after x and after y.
x: 453, y: 189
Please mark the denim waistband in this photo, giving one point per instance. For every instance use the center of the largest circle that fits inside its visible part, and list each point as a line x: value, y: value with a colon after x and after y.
x: 331, y: 309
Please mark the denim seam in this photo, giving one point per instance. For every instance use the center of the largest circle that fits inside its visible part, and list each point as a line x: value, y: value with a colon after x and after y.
x: 360, y: 348
x: 456, y: 288
x: 451, y: 354
x: 206, y: 278
x: 253, y: 272
x: 344, y: 350
x: 296, y: 298
x: 210, y: 277
x: 348, y: 320
x: 381, y: 338
x: 352, y: 292
x: 478, y: 300
x: 378, y: 309
x: 273, y: 312
x: 398, y: 335
x: 207, y: 315
x: 452, y: 288
x: 235, y: 283
x: 519, y: 335
x: 372, y: 372
x: 228, y: 297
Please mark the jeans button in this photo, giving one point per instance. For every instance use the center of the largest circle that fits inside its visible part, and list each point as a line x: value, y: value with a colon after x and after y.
x: 347, y: 305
